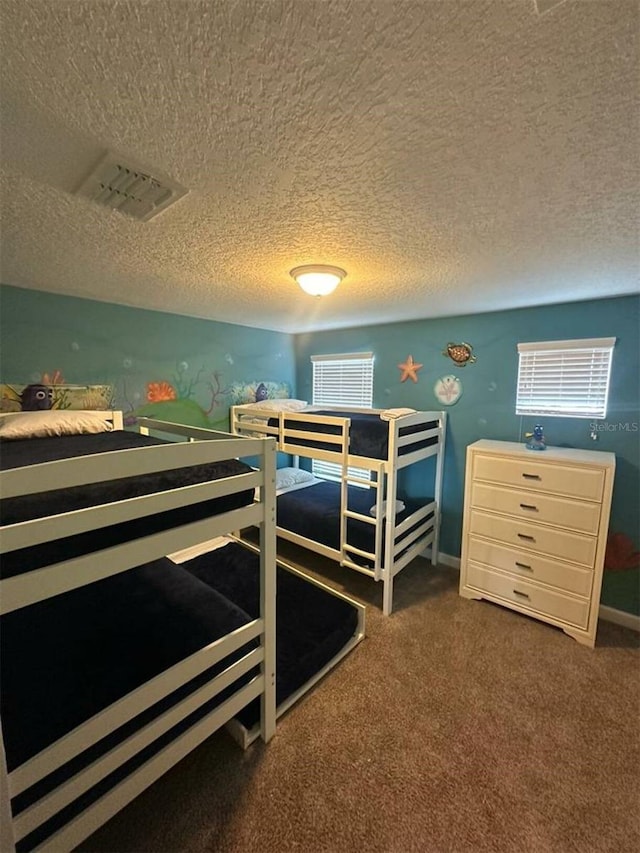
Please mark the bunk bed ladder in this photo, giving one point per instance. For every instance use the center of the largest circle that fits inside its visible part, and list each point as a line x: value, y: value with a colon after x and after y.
x: 374, y: 556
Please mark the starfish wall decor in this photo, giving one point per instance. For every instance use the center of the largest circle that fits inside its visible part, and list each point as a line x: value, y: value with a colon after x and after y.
x: 409, y: 369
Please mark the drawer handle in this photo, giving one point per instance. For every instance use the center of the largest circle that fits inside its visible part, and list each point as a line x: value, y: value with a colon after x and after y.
x: 524, y: 566
x: 529, y: 506
x: 526, y: 536
x: 531, y: 476
x: 521, y: 594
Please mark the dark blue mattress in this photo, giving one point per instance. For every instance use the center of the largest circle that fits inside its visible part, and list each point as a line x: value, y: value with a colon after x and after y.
x: 369, y: 434
x: 312, y: 625
x: 69, y: 657
x: 66, y: 658
x: 315, y: 512
x: 22, y: 452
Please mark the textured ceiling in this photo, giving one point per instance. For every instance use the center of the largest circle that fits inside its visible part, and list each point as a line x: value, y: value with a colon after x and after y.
x: 454, y: 156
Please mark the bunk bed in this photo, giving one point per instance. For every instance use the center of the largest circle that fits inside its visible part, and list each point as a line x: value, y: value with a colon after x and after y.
x: 116, y: 662
x: 364, y: 521
x: 137, y: 656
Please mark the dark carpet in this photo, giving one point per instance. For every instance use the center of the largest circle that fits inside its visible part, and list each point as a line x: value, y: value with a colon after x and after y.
x: 455, y: 726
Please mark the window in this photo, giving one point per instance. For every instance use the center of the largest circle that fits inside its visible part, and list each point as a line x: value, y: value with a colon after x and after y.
x: 342, y: 380
x: 564, y: 378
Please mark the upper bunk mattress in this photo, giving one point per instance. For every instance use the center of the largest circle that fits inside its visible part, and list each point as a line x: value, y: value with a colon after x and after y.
x: 369, y: 434
x: 32, y: 451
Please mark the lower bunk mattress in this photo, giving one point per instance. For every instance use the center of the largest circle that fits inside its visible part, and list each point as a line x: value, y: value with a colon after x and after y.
x: 65, y: 659
x: 312, y: 624
x: 315, y: 512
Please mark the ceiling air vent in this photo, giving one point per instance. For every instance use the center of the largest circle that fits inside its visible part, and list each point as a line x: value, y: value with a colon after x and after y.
x: 130, y: 189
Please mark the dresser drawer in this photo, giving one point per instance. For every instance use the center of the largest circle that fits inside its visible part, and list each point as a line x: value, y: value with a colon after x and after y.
x: 574, y: 547
x: 577, y: 482
x: 563, y: 512
x: 529, y: 596
x: 531, y: 566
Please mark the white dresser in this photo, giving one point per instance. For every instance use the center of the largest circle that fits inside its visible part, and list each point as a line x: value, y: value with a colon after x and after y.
x: 535, y: 531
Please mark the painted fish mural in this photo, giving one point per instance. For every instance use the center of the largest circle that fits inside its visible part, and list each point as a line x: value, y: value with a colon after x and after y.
x: 36, y: 397
x: 43, y: 395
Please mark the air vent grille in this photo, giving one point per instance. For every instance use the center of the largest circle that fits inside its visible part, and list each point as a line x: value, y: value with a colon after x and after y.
x: 130, y: 189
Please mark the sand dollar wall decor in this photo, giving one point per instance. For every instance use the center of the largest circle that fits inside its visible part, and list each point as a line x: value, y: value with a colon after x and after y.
x: 448, y: 390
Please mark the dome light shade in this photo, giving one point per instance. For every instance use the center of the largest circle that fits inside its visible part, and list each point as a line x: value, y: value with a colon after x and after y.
x: 318, y: 279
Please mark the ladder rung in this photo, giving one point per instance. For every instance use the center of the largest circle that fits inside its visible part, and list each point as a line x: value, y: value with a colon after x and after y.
x: 362, y: 482
x: 363, y: 569
x: 349, y: 513
x: 360, y: 553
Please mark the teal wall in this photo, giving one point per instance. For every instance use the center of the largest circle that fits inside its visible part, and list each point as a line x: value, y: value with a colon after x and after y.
x: 486, y: 408
x: 95, y: 342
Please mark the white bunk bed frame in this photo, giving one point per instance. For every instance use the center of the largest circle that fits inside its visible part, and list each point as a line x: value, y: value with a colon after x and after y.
x: 204, y: 446
x: 388, y: 562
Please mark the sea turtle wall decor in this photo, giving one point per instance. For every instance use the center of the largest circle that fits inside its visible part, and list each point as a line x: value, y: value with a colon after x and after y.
x: 461, y: 354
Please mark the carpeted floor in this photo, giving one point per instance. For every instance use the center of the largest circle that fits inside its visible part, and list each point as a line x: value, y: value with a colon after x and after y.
x: 455, y: 726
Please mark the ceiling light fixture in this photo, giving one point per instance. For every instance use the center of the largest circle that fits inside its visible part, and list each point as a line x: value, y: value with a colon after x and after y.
x: 318, y: 279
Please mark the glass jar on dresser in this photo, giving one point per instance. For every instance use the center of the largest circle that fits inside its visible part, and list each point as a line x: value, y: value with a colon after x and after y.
x: 535, y: 531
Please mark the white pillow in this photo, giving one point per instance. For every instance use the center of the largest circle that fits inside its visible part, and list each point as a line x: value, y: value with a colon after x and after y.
x: 286, y: 477
x: 52, y: 423
x: 283, y: 405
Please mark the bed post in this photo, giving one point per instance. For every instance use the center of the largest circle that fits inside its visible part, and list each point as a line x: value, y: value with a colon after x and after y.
x: 391, y: 493
x: 438, y: 489
x: 344, y: 488
x: 387, y: 593
x: 268, y: 591
x: 7, y: 843
x: 117, y: 419
x: 389, y: 533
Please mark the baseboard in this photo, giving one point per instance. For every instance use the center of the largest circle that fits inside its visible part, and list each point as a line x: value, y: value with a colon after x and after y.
x: 619, y: 617
x: 608, y: 614
x: 444, y: 559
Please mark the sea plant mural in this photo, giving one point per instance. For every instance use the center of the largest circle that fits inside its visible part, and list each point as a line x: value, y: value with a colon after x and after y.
x: 174, y: 401
x: 621, y: 553
x: 198, y: 398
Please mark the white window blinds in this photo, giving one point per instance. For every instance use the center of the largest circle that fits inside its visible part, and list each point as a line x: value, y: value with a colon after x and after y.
x: 345, y: 379
x: 564, y: 378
